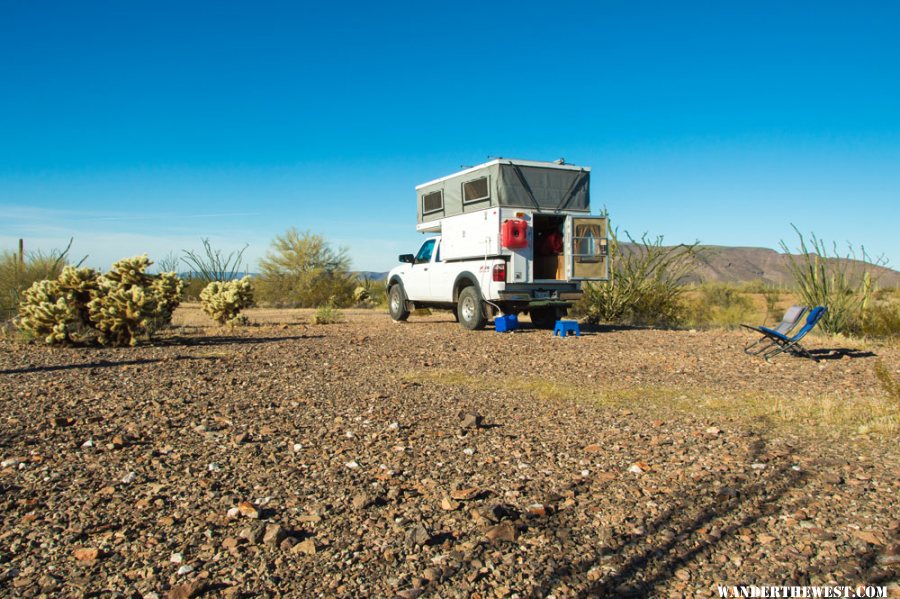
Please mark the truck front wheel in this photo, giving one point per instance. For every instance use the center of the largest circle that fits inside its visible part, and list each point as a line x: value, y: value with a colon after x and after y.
x: 396, y: 303
x: 470, y: 309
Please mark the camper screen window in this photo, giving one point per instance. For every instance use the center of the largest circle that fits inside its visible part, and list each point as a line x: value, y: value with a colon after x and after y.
x: 475, y: 191
x: 432, y: 202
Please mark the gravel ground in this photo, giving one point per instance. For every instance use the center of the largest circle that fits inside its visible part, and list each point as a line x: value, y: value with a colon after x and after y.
x: 378, y: 459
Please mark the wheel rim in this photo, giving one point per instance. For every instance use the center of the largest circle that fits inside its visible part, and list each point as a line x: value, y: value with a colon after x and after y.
x: 468, y: 309
x: 395, y: 301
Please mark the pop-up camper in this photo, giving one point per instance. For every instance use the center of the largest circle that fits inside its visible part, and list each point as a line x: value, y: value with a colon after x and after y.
x: 518, y: 233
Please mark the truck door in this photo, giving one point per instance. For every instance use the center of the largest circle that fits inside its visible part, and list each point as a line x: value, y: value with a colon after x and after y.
x: 586, y: 246
x: 417, y: 284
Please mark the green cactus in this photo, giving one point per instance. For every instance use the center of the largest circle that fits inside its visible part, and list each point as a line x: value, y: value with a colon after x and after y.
x: 57, y: 310
x: 361, y: 295
x: 224, y: 301
x: 128, y: 307
x: 117, y: 308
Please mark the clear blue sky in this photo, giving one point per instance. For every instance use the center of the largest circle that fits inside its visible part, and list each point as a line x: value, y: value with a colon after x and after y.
x: 144, y: 126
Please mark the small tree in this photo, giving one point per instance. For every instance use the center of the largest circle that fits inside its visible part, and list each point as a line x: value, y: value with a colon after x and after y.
x: 224, y: 301
x: 302, y: 269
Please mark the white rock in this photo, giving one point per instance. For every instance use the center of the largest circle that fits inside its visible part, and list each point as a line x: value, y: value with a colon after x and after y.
x: 213, y: 467
x: 234, y: 513
x: 585, y: 472
x: 129, y: 478
x: 469, y: 451
x: 185, y: 569
x: 298, y: 447
x: 176, y: 558
x: 635, y: 469
x: 352, y: 465
x: 393, y: 426
x: 757, y: 466
x: 10, y: 462
x: 87, y: 444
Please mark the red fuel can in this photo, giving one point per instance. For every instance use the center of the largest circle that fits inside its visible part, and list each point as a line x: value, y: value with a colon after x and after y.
x: 514, y: 234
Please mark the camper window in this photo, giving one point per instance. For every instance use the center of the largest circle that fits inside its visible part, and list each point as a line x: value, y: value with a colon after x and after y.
x: 433, y: 202
x: 476, y: 190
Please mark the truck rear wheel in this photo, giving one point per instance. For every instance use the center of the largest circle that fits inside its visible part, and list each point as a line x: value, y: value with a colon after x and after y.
x: 470, y: 309
x: 545, y: 318
x: 397, y: 303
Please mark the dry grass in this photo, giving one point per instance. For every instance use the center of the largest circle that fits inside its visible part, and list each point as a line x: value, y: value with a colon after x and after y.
x: 829, y: 415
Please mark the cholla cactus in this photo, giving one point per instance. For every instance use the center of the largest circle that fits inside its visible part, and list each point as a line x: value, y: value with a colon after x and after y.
x: 126, y: 308
x: 44, y: 313
x: 57, y: 310
x: 117, y: 308
x: 167, y: 287
x: 361, y: 295
x: 224, y: 301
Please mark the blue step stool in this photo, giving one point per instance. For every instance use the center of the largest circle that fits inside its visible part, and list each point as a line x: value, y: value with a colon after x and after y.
x: 564, y: 327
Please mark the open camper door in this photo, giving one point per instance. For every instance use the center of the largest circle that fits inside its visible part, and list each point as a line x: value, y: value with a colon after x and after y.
x: 588, y: 258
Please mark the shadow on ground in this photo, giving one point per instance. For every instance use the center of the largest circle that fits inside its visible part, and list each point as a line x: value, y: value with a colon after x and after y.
x: 639, y: 564
x: 100, y: 364
x: 840, y: 353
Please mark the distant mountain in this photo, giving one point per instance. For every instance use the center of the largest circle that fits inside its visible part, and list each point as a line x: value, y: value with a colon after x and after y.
x: 371, y: 275
x: 741, y: 264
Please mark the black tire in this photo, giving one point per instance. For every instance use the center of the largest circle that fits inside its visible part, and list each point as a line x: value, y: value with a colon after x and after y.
x: 455, y: 313
x: 470, y: 309
x: 545, y: 318
x: 397, y: 303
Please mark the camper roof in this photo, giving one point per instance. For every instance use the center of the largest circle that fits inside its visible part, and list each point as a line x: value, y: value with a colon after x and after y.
x: 553, y: 165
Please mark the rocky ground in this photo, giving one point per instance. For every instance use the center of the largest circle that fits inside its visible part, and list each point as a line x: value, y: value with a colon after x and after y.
x: 377, y: 459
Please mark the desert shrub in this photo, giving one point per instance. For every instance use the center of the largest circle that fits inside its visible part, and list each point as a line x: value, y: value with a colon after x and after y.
x: 327, y: 314
x: 370, y: 293
x: 882, y: 316
x: 171, y: 262
x: 842, y: 282
x: 889, y: 382
x: 223, y: 301
x: 644, y: 285
x: 718, y: 305
x: 214, y: 265
x: 117, y: 308
x: 303, y: 270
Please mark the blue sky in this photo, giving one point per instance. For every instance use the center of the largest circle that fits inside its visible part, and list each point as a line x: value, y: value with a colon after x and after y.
x: 144, y: 126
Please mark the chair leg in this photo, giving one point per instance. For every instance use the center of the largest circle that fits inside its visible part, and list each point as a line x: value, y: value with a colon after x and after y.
x: 792, y: 347
x: 755, y: 352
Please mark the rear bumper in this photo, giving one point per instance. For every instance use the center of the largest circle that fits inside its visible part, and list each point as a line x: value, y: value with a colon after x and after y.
x: 566, y: 292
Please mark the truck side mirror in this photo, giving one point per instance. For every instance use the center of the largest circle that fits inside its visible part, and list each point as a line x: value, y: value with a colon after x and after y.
x: 408, y: 258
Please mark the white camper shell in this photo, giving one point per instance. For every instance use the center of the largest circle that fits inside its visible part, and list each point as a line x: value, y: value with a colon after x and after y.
x: 518, y: 232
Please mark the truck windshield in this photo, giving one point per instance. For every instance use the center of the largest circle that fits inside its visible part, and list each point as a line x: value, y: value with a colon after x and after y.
x: 425, y: 252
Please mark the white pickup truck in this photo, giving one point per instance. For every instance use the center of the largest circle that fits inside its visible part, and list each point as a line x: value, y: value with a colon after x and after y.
x: 515, y: 236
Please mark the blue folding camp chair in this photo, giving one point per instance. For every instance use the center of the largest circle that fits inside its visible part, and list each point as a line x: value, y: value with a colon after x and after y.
x: 783, y: 343
x: 790, y: 319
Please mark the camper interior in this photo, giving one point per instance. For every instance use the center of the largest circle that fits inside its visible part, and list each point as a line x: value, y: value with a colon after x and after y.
x: 549, y: 262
